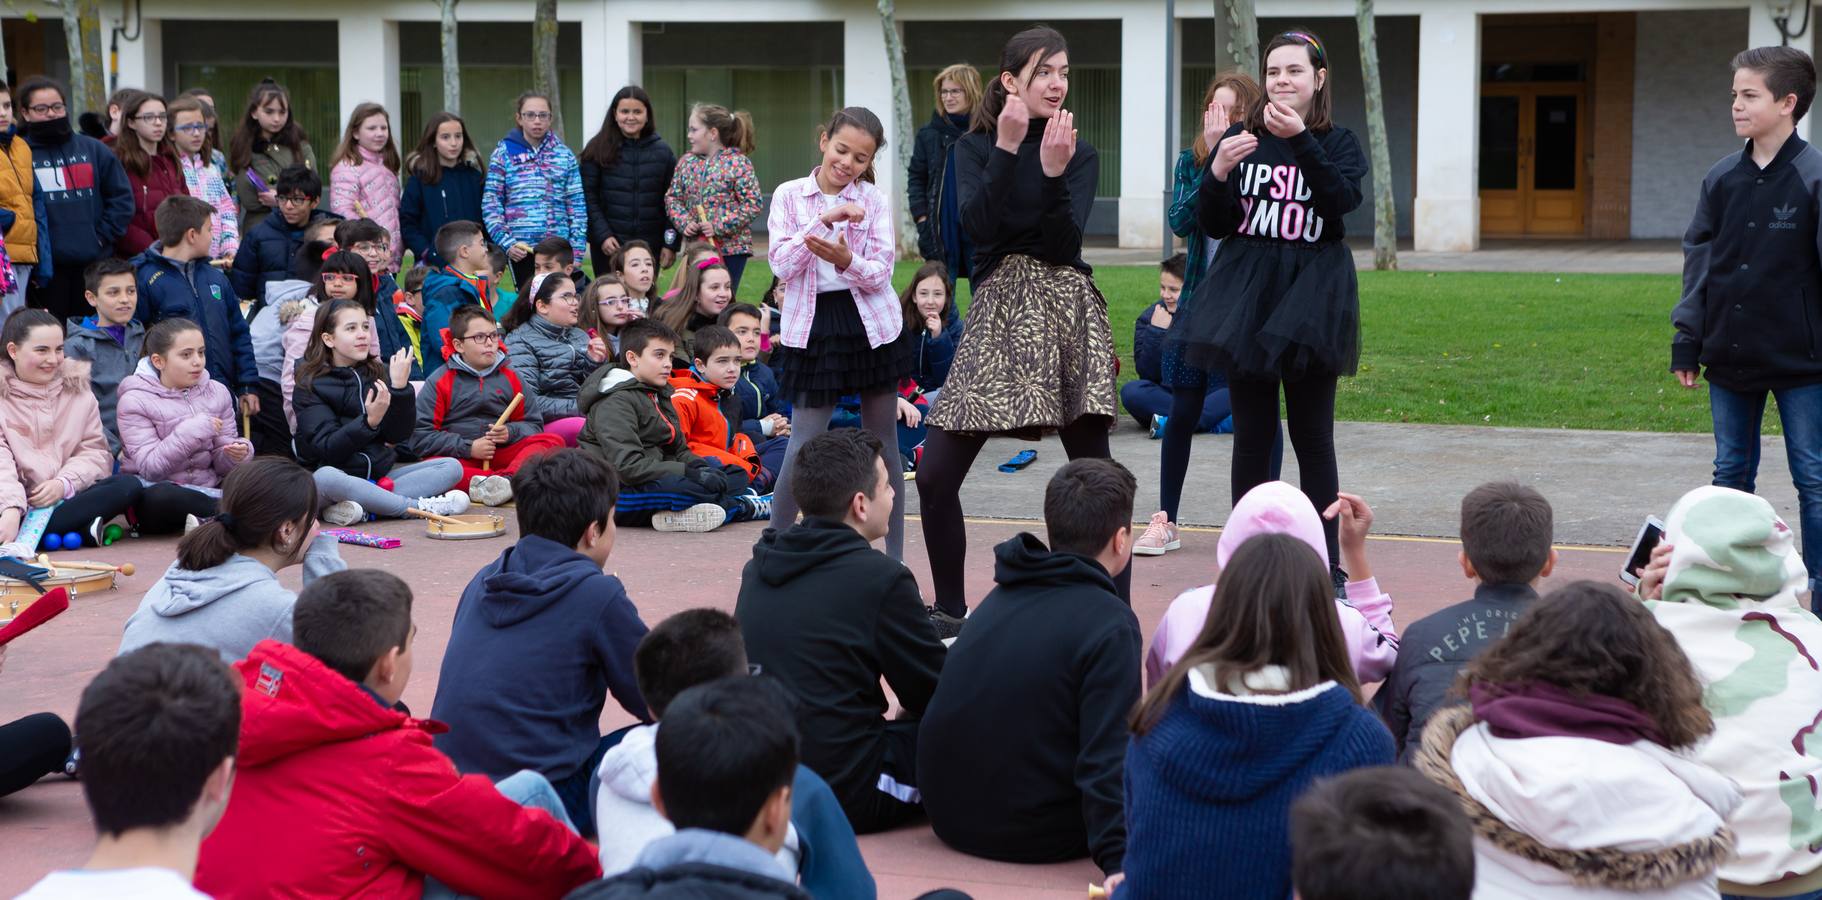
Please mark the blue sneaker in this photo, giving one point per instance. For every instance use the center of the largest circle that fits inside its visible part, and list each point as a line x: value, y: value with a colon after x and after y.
x: 1225, y: 426
x: 755, y: 507
x: 1157, y: 426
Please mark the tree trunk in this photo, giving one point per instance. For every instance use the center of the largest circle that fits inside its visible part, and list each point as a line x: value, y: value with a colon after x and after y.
x: 452, y: 70
x: 94, y: 82
x: 4, y: 75
x: 1237, y: 36
x: 1385, y: 212
x: 544, y: 60
x: 901, y: 128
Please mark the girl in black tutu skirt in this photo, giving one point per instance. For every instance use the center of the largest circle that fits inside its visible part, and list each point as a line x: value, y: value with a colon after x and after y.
x: 1280, y: 307
x: 832, y: 249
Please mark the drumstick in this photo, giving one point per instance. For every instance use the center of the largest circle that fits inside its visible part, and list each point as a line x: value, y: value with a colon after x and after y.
x: 123, y: 568
x: 424, y: 514
x: 487, y: 464
x: 714, y: 239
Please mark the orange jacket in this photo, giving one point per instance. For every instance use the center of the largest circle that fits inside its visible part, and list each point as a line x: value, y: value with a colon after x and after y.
x: 706, y: 412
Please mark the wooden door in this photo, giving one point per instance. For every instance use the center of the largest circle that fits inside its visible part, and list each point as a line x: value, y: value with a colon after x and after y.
x: 1532, y: 148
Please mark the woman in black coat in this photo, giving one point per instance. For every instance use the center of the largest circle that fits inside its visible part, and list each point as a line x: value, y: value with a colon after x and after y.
x: 626, y: 169
x: 931, y: 181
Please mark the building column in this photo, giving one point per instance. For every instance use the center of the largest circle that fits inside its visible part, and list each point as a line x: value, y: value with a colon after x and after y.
x: 142, y: 61
x: 1761, y: 31
x: 867, y: 81
x: 1143, y: 168
x: 368, y: 56
x: 1446, y: 209
x: 610, y: 60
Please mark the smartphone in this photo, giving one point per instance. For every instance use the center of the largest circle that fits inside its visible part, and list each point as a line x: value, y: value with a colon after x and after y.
x: 1650, y: 534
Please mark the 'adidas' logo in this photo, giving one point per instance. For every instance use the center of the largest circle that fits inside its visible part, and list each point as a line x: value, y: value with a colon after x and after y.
x: 1783, y: 214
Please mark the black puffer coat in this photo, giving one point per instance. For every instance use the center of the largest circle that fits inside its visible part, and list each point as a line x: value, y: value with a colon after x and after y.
x: 626, y: 199
x: 924, y: 182
x: 332, y: 427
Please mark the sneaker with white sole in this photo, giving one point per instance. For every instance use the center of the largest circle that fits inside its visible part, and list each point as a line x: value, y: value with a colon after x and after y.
x: 490, y: 490
x: 346, y: 512
x: 191, y: 523
x: 453, y: 503
x: 695, y: 520
x: 756, y: 507
x: 1160, y: 537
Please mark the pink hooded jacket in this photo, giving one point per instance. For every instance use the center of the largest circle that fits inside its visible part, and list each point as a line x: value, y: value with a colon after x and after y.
x: 1278, y: 508
x: 166, y: 434
x: 368, y: 191
x: 49, y: 431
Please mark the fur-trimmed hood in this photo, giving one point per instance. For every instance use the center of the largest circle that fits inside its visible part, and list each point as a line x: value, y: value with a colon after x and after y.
x: 1574, y: 817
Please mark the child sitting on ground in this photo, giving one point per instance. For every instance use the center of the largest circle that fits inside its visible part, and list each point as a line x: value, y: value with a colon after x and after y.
x: 464, y: 280
x: 160, y: 730
x: 829, y: 616
x: 267, y: 248
x: 223, y: 590
x: 1505, y: 551
x: 637, y: 267
x: 763, y: 416
x: 460, y: 405
x: 108, y: 342
x: 633, y: 425
x: 606, y: 310
x: 554, y: 256
x: 551, y: 352
x: 1383, y: 833
x: 540, y: 637
x: 370, y: 241
x: 934, y: 325
x: 698, y: 646
x: 707, y: 290
x: 177, y: 281
x: 284, y: 301
x: 177, y: 429
x: 707, y: 408
x: 342, y: 276
x: 368, y: 806
x: 1147, y: 397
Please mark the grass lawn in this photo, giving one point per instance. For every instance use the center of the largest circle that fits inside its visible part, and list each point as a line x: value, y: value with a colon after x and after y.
x: 1476, y: 348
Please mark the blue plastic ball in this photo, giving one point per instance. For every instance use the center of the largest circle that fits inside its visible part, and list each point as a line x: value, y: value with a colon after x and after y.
x: 72, y: 540
x: 52, y: 542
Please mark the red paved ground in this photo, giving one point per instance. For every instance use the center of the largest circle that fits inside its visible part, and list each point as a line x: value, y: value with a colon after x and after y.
x: 46, y: 826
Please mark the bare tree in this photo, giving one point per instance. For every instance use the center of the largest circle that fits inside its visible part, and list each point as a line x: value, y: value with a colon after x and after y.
x: 1237, y: 35
x: 544, y: 60
x: 82, y: 35
x: 452, y: 67
x: 1385, y: 213
x: 901, y: 126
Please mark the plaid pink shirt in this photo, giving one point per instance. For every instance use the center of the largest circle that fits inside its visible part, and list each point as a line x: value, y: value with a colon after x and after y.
x: 797, y: 214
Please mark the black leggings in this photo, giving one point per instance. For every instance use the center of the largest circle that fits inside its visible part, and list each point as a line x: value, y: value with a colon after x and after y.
x: 947, y: 457
x: 1173, y: 454
x: 1309, y: 407
x: 30, y: 749
x: 163, y: 506
x: 102, y: 500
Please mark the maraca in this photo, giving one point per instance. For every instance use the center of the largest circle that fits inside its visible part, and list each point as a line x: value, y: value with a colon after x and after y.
x: 111, y: 534
x: 384, y: 483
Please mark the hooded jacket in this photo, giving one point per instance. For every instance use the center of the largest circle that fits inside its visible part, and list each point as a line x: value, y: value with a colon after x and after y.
x: 533, y: 193
x: 1733, y: 599
x: 552, y: 361
x: 758, y: 393
x: 204, y: 182
x: 444, y: 290
x: 725, y: 188
x: 709, y: 416
x: 88, y: 201
x: 228, y: 608
x: 363, y: 188
x: 105, y: 362
x: 176, y: 435
x: 1047, y: 670
x: 49, y: 431
x: 196, y: 290
x: 360, y: 804
x: 829, y: 616
x: 1209, y: 787
x: 18, y: 189
x: 697, y: 864
x: 1567, y: 817
x: 163, y: 178
x: 332, y: 427
x: 1278, y: 508
x: 266, y: 251
x: 426, y: 208
x: 541, y: 635
x: 458, y: 403
x: 626, y: 200
x: 633, y: 426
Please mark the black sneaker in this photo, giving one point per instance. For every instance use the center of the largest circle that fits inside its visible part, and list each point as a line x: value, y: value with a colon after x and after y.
x: 948, y: 627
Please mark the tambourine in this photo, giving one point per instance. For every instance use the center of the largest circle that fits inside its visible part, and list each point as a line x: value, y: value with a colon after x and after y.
x: 471, y: 527
x: 77, y: 577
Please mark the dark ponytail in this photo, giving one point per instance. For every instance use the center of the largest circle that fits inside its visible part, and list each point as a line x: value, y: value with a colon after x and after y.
x: 257, y: 499
x: 159, y: 339
x: 1041, y: 41
x: 861, y: 118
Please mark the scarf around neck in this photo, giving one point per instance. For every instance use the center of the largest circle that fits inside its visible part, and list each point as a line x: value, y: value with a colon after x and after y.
x: 1535, y: 709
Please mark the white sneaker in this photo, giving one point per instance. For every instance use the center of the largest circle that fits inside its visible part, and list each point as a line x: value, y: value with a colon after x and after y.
x: 191, y: 523
x: 453, y: 503
x: 346, y: 512
x: 490, y: 490
x: 696, y: 520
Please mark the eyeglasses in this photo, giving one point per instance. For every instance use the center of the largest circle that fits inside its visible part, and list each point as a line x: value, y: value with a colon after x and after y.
x: 295, y: 200
x: 952, y: 92
x: 535, y: 115
x: 47, y: 109
x: 373, y: 247
x: 489, y: 337
x: 611, y: 302
x: 192, y: 128
x: 149, y: 117
x: 339, y: 278
x: 566, y: 297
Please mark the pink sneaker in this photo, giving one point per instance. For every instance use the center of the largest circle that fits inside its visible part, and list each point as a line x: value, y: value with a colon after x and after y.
x: 1160, y: 537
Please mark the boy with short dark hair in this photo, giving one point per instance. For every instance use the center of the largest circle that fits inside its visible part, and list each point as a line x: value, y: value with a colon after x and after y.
x: 632, y: 424
x: 1506, y: 551
x: 160, y: 731
x: 704, y: 397
x: 763, y: 418
x: 177, y: 279
x: 364, y: 803
x: 829, y: 616
x: 370, y: 241
x: 541, y: 636
x: 1752, y: 278
x: 1384, y: 833
x: 268, y: 248
x: 727, y: 755
x: 554, y: 255
x: 110, y: 341
x: 1047, y: 671
x: 461, y: 282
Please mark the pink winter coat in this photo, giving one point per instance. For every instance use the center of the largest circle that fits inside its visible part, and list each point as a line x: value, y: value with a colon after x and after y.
x: 1279, y: 508
x: 49, y: 431
x: 368, y: 191
x: 167, y: 434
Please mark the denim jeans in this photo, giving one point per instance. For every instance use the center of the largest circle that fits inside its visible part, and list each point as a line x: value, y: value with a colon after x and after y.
x: 1737, y: 417
x: 526, y: 788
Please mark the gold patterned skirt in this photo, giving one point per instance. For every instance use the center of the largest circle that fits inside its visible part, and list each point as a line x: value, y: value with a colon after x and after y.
x: 1037, y: 353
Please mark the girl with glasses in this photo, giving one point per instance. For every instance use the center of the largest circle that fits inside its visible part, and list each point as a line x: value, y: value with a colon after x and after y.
x: 145, y: 151
x: 195, y: 152
x: 552, y: 353
x: 533, y: 174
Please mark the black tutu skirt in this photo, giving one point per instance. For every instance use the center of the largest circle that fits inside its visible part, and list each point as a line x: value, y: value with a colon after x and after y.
x: 1273, y: 310
x: 839, y: 360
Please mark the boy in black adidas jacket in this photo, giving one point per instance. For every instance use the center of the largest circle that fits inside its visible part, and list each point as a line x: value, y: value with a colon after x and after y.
x: 1752, y: 283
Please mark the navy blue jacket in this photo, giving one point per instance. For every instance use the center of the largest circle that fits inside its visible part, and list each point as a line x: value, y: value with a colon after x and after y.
x: 936, y: 354
x: 393, y: 336
x: 266, y: 252
x: 425, y: 208
x: 758, y: 393
x: 1148, y: 346
x: 541, y: 635
x: 88, y: 201
x: 197, y: 291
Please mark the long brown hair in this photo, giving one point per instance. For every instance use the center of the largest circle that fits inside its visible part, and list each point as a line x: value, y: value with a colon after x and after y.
x: 1041, y: 41
x: 348, y: 149
x: 1588, y: 638
x: 1247, y: 97
x: 1323, y: 103
x: 187, y: 103
x: 257, y: 498
x: 604, y: 148
x: 425, y: 163
x: 907, y: 298
x: 863, y: 120
x: 588, y: 318
x: 210, y: 115
x: 317, y: 357
x: 247, y: 133
x: 677, y: 311
x: 1274, y: 606
x: 126, y: 145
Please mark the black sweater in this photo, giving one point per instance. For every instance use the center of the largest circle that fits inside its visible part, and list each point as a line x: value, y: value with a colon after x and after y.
x: 1010, y: 206
x: 1752, y: 273
x: 1432, y: 651
x: 1294, y: 190
x: 1043, y: 677
x: 828, y: 615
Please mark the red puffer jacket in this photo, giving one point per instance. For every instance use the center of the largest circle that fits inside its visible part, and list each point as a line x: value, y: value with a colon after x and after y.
x: 163, y: 178
x: 338, y: 796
